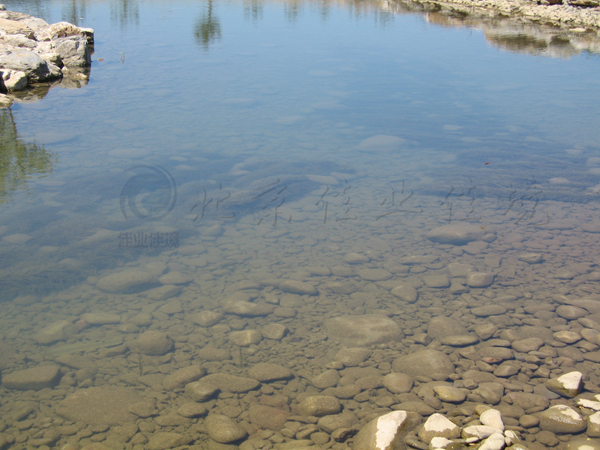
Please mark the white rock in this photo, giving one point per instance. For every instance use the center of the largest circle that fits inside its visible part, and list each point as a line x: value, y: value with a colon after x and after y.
x: 494, y: 442
x: 492, y: 418
x: 478, y: 431
x: 438, y: 426
x: 439, y: 443
x: 590, y: 404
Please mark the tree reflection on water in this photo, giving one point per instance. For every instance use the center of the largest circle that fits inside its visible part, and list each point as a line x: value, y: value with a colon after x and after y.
x: 19, y: 161
x: 208, y: 27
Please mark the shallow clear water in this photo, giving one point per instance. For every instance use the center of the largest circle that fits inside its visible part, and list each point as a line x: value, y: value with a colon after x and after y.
x: 261, y: 142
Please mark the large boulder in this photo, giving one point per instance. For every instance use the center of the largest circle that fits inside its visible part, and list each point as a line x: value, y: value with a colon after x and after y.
x: 31, y: 64
x: 74, y: 51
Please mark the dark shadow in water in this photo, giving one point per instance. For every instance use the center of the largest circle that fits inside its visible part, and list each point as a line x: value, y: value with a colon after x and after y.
x: 208, y: 28
x: 19, y: 161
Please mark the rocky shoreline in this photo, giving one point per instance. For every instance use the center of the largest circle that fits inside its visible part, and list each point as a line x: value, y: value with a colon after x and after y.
x: 34, y: 53
x: 576, y: 16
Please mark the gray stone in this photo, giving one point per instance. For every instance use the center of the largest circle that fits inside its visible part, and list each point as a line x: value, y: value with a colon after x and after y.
x: 265, y: 372
x: 450, y: 394
x: 231, y: 383
x: 561, y: 419
x: 14, y: 80
x: 356, y: 331
x: 31, y: 64
x: 335, y: 421
x: 424, y: 363
x: 319, y: 406
x: 459, y: 341
x: 275, y: 331
x: 386, y: 432
x: 126, y: 281
x: 527, y: 345
x: 456, y: 234
x: 34, y: 378
x: 480, y: 279
x: 246, y: 338
x: 583, y: 443
x: 182, y: 377
x: 152, y: 343
x: 441, y: 326
x: 298, y: 287
x: 247, y: 309
x: 398, y: 383
x: 406, y: 293
x: 54, y: 332
x: 201, y: 391
x: 531, y: 258
x: 267, y: 417
x: 329, y: 378
x: 437, y: 281
x: 571, y: 312
x: 100, y: 405
x: 74, y: 51
x: 374, y: 274
x: 163, y: 440
x: 224, y: 430
x: 351, y: 357
x: 488, y: 310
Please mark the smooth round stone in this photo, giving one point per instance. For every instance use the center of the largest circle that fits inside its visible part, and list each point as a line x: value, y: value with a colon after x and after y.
x: 152, y: 343
x: 181, y: 377
x: 356, y: 258
x: 127, y: 280
x: 206, y: 318
x: 224, y: 430
x: 437, y: 281
x: 568, y: 337
x: 329, y: 378
x: 424, y: 363
x: 527, y: 345
x: 571, y: 312
x: 531, y: 258
x: 351, y: 357
x: 171, y: 307
x: 405, y: 293
x: 527, y: 421
x: 285, y: 312
x: 506, y: 370
x: 565, y: 275
x: 440, y: 327
x: 480, y: 279
x: 191, y: 410
x: 275, y: 331
x: 485, y: 331
x: 245, y: 338
x: 319, y: 406
x: 298, y: 287
x: 374, y: 274
x: 438, y: 426
x: 456, y: 234
x: 201, y: 391
x: 500, y: 353
x: 450, y: 394
x: 492, y: 418
x: 590, y: 335
x: 398, y: 383
x: 561, y: 419
x: 175, y: 278
x: 459, y: 341
x: 488, y: 310
x: 356, y: 331
x: 247, y: 309
x: 568, y: 385
x: 265, y: 372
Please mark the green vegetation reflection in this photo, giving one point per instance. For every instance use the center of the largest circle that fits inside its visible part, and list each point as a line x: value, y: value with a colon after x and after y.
x: 18, y: 160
